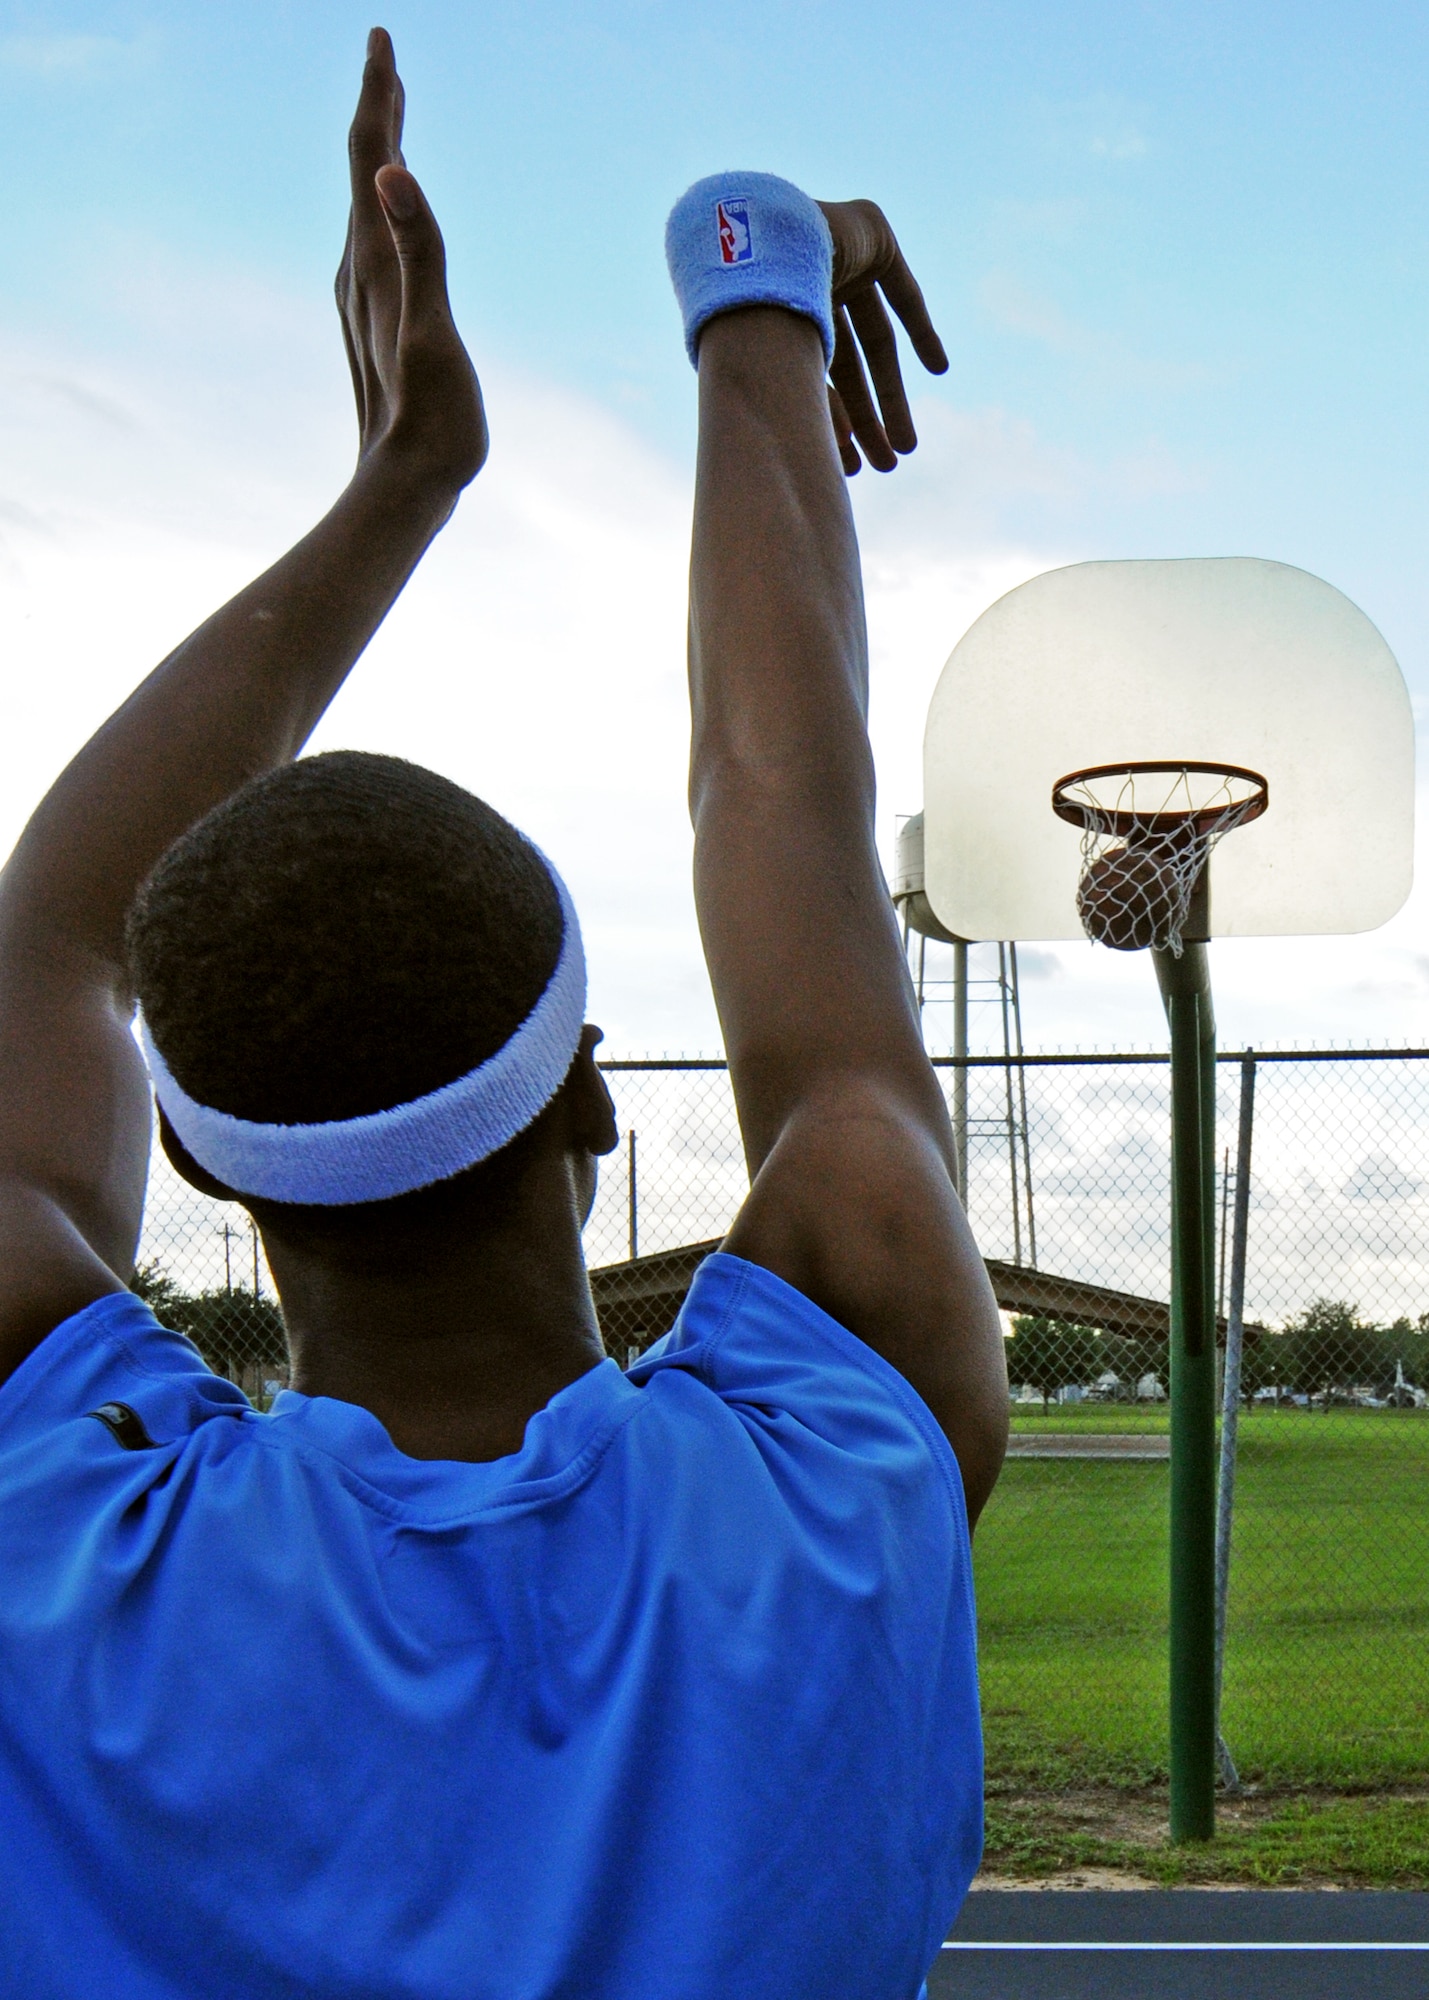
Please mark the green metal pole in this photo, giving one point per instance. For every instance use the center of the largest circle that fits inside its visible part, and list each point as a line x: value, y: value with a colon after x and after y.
x: 1186, y: 990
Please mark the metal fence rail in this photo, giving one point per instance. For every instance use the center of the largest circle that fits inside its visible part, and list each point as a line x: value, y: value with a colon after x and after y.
x: 1327, y: 1647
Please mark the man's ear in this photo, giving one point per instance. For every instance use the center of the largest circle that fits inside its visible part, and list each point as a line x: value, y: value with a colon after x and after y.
x: 592, y: 1110
x: 185, y: 1165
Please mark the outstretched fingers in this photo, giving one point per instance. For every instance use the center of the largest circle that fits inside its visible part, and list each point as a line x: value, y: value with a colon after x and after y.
x: 851, y: 384
x: 417, y: 393
x: 342, y: 288
x: 905, y: 295
x: 870, y: 275
x: 880, y: 350
x: 374, y: 138
x: 368, y: 283
x: 435, y: 398
x: 421, y: 253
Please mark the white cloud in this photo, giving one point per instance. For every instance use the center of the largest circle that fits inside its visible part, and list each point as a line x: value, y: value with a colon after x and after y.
x: 1011, y: 306
x: 70, y: 56
x: 1058, y: 220
x: 539, y: 654
x: 1102, y: 127
x: 1017, y: 310
x: 918, y: 609
x: 979, y: 477
x: 1125, y: 144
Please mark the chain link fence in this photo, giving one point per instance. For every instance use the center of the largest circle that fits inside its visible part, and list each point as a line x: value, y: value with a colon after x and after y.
x: 1067, y: 1177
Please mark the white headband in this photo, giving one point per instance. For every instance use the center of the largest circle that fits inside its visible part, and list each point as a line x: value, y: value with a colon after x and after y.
x: 386, y: 1153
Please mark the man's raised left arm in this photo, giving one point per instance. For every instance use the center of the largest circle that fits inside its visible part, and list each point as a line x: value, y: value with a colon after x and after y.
x: 239, y: 697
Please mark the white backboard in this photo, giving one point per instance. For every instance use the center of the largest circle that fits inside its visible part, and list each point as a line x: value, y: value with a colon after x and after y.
x: 1221, y: 660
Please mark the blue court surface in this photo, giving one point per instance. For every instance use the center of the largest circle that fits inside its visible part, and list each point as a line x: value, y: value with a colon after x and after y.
x: 1186, y: 1944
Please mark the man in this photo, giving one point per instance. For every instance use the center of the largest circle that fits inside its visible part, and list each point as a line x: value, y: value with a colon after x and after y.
x: 476, y: 1667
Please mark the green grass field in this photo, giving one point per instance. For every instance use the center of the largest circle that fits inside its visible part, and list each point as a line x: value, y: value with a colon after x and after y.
x: 1327, y: 1671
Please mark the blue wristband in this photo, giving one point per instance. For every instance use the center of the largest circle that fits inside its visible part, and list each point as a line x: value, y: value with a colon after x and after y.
x: 749, y: 240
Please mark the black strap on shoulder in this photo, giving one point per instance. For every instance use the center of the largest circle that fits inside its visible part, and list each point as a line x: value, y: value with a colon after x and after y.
x: 124, y: 1424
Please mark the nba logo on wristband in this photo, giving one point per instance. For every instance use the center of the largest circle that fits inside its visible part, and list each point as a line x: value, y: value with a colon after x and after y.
x: 736, y: 236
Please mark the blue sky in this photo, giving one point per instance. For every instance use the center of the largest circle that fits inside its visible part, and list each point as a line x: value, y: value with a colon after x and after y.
x: 1178, y: 256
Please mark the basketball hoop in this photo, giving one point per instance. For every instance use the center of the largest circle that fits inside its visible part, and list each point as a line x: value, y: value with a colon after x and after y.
x: 1147, y: 834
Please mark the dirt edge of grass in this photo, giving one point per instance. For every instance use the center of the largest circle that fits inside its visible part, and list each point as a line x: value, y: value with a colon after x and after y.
x: 1301, y: 1839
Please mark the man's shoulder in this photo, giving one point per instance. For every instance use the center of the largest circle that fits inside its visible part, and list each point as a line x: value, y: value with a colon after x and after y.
x: 775, y: 1364
x: 114, y: 1352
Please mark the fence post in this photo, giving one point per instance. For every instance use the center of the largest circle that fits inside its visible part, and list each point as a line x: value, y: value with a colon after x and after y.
x: 632, y: 1195
x: 960, y: 1071
x: 1022, y: 1105
x: 1230, y: 1397
x: 1002, y: 950
x: 1186, y: 990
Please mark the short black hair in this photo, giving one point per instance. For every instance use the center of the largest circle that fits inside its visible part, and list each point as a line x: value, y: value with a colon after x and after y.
x: 341, y: 935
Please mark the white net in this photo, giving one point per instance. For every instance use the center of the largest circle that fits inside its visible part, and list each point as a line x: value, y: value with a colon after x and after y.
x: 1147, y: 836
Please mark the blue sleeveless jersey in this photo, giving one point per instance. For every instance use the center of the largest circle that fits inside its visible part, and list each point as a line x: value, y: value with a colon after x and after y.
x: 679, y: 1702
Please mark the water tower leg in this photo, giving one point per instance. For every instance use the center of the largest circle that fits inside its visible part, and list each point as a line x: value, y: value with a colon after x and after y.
x: 1186, y: 990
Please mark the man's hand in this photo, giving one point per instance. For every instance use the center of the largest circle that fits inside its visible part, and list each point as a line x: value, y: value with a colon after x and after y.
x: 418, y: 398
x: 867, y: 260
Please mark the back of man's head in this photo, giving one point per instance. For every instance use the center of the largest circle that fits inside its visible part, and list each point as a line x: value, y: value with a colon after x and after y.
x: 346, y: 934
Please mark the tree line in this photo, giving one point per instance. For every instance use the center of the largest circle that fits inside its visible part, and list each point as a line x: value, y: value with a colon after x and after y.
x: 233, y: 1329
x: 1326, y: 1352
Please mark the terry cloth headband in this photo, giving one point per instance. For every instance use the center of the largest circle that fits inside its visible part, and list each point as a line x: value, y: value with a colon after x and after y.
x: 386, y: 1153
x: 749, y: 240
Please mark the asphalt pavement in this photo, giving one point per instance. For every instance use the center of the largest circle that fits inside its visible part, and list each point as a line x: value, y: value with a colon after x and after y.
x: 1186, y: 1944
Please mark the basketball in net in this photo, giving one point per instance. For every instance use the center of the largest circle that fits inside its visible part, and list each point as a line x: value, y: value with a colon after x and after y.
x: 1147, y: 834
